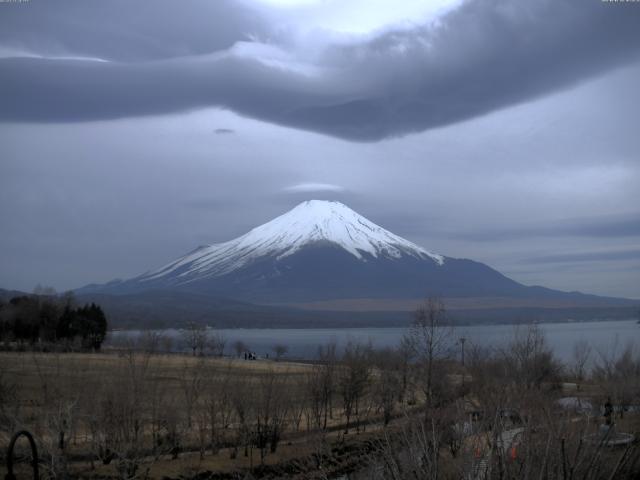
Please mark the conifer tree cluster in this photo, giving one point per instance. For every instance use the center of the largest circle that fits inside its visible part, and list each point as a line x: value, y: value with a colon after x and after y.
x: 35, y: 319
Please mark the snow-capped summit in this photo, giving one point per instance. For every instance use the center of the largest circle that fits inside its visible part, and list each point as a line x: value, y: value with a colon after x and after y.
x: 320, y: 220
x: 320, y: 252
x: 311, y: 222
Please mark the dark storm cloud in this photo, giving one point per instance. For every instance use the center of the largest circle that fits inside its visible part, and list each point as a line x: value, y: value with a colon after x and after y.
x: 485, y: 55
x: 73, y: 90
x: 126, y: 30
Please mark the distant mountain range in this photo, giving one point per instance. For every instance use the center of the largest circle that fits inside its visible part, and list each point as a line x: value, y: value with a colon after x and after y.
x: 323, y: 257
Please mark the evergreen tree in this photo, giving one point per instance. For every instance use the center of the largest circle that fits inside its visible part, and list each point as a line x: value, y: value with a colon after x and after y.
x: 35, y: 318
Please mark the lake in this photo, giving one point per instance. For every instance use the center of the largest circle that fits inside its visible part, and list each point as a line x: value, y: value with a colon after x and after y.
x: 603, y: 337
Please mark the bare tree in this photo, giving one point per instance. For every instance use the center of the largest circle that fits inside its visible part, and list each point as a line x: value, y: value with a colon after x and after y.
x: 218, y: 405
x: 8, y: 402
x: 243, y: 401
x: 173, y: 428
x: 299, y: 402
x: 150, y: 341
x: 167, y: 343
x: 327, y: 357
x: 530, y: 359
x: 216, y: 344
x: 404, y: 356
x: 280, y: 350
x: 191, y: 382
x: 315, y: 394
x: 270, y: 412
x: 619, y: 377
x: 580, y: 359
x: 239, y: 347
x: 320, y: 387
x: 430, y: 338
x: 353, y: 379
x: 413, y: 452
x: 157, y: 393
x: 119, y: 421
x: 195, y: 337
x: 386, y: 392
x: 59, y: 412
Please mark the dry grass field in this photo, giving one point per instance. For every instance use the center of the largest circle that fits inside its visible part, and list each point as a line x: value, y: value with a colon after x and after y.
x: 397, y: 414
x: 212, y: 406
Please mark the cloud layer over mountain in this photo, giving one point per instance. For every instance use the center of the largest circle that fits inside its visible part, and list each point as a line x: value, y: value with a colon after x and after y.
x: 167, y: 56
x: 504, y: 131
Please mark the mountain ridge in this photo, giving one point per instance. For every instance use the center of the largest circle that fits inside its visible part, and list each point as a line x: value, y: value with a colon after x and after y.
x: 321, y: 251
x: 311, y: 222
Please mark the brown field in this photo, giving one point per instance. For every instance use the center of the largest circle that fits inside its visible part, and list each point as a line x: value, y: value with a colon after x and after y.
x: 45, y: 383
x: 392, y: 414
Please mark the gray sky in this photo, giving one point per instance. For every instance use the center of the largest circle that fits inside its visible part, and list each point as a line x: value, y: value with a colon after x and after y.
x: 502, y: 131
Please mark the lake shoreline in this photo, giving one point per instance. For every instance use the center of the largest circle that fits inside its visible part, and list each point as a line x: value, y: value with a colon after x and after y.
x: 303, y: 343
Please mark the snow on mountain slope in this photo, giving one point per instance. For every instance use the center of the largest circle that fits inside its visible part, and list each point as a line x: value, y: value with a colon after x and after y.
x: 308, y: 223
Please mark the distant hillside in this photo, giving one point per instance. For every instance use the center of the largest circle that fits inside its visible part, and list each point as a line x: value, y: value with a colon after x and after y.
x: 169, y: 309
x: 158, y: 309
x: 9, y: 294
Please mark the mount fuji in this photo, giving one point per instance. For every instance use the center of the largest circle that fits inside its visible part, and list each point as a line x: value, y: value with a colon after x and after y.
x: 321, y: 252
